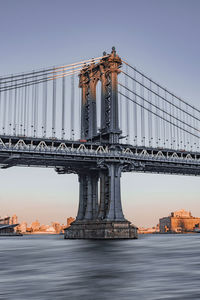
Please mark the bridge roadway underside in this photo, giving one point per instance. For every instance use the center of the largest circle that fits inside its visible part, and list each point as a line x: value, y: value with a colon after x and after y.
x: 70, y: 156
x: 93, y: 163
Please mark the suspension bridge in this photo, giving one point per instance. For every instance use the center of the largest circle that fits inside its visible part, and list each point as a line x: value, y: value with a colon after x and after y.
x: 97, y: 118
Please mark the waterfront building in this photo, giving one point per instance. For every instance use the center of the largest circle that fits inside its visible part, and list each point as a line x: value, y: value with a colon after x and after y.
x: 35, y: 226
x: 6, y: 228
x: 179, y: 221
x: 13, y: 220
x: 43, y: 228
x: 22, y: 227
x: 57, y: 227
x: 50, y: 230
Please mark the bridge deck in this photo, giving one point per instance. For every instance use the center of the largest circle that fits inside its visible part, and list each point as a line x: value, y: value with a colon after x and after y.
x: 69, y: 156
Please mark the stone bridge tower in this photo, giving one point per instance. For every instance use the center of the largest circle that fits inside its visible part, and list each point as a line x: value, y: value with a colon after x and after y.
x: 100, y: 214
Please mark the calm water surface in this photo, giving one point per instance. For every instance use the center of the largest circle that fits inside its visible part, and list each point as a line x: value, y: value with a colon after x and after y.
x: 48, y: 267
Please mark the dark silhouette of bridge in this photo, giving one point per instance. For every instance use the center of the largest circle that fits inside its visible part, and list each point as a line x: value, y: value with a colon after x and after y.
x: 120, y: 120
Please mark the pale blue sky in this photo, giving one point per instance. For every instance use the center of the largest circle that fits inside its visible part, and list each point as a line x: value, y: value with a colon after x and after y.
x: 159, y: 37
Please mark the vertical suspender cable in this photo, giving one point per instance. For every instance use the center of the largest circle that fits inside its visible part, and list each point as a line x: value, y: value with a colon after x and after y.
x: 27, y: 111
x: 33, y: 109
x: 10, y: 108
x: 157, y: 118
x: 63, y: 107
x: 80, y: 106
x: 194, y: 138
x: 150, y: 116
x: 127, y: 107
x: 199, y: 137
x: 25, y: 107
x: 21, y: 107
x: 184, y: 142
x: 187, y: 136
x: 72, y: 106
x: 54, y: 108
x: 142, y: 113
x: 174, y: 128
x: 18, y: 111
x: 44, y: 108
x: 194, y: 125
x: 15, y: 109
x: 43, y: 100
x: 120, y: 108
x: 181, y: 132
x: 166, y: 123
x: 36, y: 109
x: 4, y: 111
x: 164, y: 131
x: 135, y: 110
x: 191, y: 136
x: 170, y: 130
x: 177, y: 130
x: 0, y: 104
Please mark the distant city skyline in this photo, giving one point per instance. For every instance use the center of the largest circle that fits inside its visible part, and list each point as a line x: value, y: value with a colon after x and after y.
x: 54, y: 198
x: 159, y: 37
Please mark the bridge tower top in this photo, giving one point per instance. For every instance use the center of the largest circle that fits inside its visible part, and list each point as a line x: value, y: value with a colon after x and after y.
x: 106, y: 71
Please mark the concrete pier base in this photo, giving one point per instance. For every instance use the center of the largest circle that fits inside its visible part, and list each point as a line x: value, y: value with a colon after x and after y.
x: 96, y: 229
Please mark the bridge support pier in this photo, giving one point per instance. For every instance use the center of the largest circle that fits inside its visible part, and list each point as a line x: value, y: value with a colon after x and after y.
x: 102, y: 219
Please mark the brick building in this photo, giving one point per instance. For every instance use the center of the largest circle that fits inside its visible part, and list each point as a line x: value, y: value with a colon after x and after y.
x: 178, y: 221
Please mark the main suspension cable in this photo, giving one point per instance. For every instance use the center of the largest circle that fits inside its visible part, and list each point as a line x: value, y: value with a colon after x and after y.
x: 177, y: 126
x: 157, y: 107
x: 53, y: 68
x: 14, y: 86
x: 156, y: 94
x: 157, y: 84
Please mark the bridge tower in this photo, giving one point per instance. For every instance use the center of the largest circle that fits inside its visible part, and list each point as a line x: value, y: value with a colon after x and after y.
x: 100, y: 218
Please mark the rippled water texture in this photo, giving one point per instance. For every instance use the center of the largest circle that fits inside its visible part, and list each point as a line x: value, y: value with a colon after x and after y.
x: 48, y: 267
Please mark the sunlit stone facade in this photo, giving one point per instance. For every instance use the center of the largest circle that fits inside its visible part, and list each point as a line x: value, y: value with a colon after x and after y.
x: 178, y: 222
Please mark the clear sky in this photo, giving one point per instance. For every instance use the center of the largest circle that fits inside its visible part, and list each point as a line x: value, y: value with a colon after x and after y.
x: 159, y: 37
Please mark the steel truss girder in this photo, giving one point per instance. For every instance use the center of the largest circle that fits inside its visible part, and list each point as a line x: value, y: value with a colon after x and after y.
x: 15, y: 151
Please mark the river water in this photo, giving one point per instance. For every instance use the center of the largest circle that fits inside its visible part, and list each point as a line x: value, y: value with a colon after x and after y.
x: 50, y: 268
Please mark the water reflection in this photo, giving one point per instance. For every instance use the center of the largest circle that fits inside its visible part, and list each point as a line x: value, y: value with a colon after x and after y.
x: 48, y: 267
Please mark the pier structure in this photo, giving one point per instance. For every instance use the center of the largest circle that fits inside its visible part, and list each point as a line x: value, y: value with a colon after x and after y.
x: 100, y: 214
